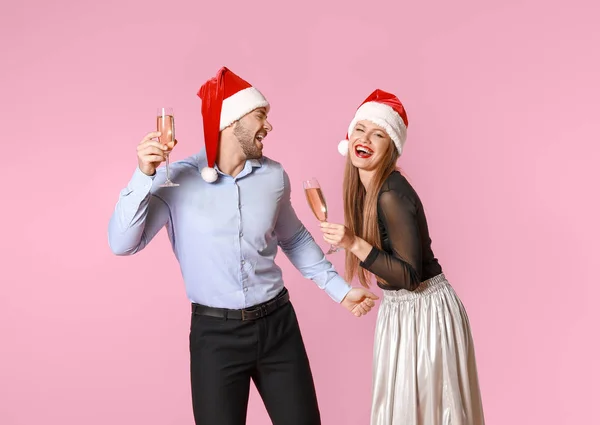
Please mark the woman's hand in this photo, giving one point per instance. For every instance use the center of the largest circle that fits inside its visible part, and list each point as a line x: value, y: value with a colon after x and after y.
x: 338, y: 235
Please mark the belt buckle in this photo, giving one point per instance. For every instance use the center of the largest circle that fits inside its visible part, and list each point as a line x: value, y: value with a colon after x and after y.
x: 250, y: 313
x: 245, y: 315
x: 254, y: 313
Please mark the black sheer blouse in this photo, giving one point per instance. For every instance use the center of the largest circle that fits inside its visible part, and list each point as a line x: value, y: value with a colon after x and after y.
x: 406, y: 259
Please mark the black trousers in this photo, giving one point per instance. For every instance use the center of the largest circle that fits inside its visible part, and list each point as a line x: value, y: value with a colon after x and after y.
x: 226, y: 354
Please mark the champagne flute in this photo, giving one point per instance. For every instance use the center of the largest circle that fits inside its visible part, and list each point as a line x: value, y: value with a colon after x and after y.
x: 165, y: 123
x: 316, y: 201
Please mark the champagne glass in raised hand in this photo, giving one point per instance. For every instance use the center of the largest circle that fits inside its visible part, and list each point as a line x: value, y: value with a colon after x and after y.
x: 165, y: 123
x: 316, y: 201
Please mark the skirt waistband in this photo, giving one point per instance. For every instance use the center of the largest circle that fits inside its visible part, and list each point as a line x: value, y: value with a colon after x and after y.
x: 426, y: 287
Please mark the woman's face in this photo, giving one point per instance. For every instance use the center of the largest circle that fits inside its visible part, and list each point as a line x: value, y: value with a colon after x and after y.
x: 369, y: 144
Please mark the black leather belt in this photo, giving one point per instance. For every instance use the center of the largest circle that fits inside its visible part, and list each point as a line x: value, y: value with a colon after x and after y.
x: 251, y: 313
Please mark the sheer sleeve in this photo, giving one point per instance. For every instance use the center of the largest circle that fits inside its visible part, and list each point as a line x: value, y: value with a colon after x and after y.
x: 401, y: 269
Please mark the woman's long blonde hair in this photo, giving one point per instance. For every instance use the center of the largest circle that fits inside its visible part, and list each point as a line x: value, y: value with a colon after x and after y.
x: 360, y: 208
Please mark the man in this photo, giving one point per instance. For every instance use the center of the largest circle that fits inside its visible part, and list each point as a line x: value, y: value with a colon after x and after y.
x: 225, y: 222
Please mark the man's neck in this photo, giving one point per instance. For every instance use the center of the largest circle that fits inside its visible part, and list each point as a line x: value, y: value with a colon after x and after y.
x: 231, y: 165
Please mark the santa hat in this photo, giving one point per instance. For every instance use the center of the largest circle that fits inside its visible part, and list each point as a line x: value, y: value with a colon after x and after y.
x: 385, y: 110
x: 225, y: 99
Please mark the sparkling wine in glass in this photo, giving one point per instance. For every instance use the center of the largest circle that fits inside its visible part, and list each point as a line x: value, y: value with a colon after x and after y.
x: 165, y: 123
x: 317, y: 203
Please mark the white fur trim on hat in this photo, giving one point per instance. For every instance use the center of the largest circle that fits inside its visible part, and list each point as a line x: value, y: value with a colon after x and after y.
x: 239, y: 104
x: 209, y: 174
x: 385, y: 117
x: 343, y: 147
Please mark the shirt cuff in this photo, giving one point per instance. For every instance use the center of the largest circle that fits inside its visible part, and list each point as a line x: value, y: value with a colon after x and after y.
x: 337, y: 288
x: 370, y: 259
x: 137, y: 188
x: 139, y: 180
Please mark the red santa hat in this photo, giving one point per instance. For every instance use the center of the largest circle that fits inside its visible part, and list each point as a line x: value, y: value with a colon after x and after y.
x: 225, y: 99
x: 385, y: 110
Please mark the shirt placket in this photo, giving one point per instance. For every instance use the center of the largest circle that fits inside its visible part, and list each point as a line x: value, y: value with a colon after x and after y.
x: 243, y: 261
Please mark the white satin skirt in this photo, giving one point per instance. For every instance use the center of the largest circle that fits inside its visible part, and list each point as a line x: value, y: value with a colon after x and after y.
x: 424, y: 370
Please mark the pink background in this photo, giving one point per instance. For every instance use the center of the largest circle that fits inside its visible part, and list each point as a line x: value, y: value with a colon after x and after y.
x: 503, y: 146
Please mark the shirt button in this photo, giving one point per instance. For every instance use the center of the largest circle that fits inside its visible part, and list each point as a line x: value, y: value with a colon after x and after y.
x: 245, y: 289
x: 243, y: 262
x: 241, y: 234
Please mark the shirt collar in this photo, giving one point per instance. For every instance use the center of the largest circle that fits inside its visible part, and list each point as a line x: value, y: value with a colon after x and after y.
x: 249, y: 166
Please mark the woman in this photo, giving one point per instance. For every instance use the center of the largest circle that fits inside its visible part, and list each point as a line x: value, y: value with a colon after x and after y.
x: 424, y: 370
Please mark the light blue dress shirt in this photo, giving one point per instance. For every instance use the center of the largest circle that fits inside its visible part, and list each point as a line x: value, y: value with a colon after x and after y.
x: 225, y: 234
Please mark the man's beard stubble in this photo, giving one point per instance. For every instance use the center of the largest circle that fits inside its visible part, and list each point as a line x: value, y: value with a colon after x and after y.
x: 246, y: 139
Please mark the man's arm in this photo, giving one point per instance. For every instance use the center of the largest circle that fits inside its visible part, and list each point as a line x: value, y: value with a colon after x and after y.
x: 138, y: 216
x: 302, y: 250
